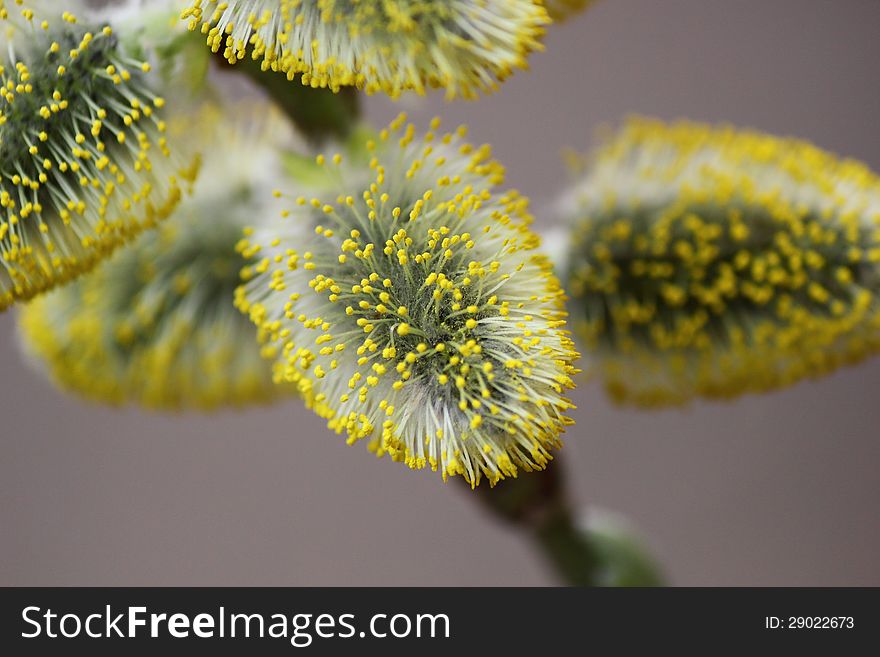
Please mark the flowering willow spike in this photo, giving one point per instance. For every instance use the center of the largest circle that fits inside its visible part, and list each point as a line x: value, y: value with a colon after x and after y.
x: 155, y: 324
x: 411, y: 307
x: 715, y: 262
x: 84, y: 163
x: 560, y: 10
x: 463, y: 46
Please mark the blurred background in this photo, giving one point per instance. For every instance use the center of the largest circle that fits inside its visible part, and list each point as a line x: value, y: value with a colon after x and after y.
x: 775, y: 490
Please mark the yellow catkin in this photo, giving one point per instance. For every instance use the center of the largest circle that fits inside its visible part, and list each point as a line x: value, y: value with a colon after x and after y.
x: 155, y: 324
x: 410, y: 305
x: 465, y: 47
x: 713, y: 262
x: 84, y: 159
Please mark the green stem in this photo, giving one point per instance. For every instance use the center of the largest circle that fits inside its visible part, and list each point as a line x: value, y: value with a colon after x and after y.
x: 319, y: 113
x: 568, y: 550
x: 537, y: 503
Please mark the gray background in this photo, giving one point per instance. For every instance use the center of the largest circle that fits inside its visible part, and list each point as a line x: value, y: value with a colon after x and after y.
x: 781, y: 489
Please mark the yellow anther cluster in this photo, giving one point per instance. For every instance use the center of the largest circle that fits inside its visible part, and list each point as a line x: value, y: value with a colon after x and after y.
x: 465, y: 46
x: 155, y: 324
x: 84, y: 161
x: 715, y: 262
x: 440, y: 339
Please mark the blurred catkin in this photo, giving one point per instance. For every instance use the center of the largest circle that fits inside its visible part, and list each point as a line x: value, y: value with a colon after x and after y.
x: 710, y: 261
